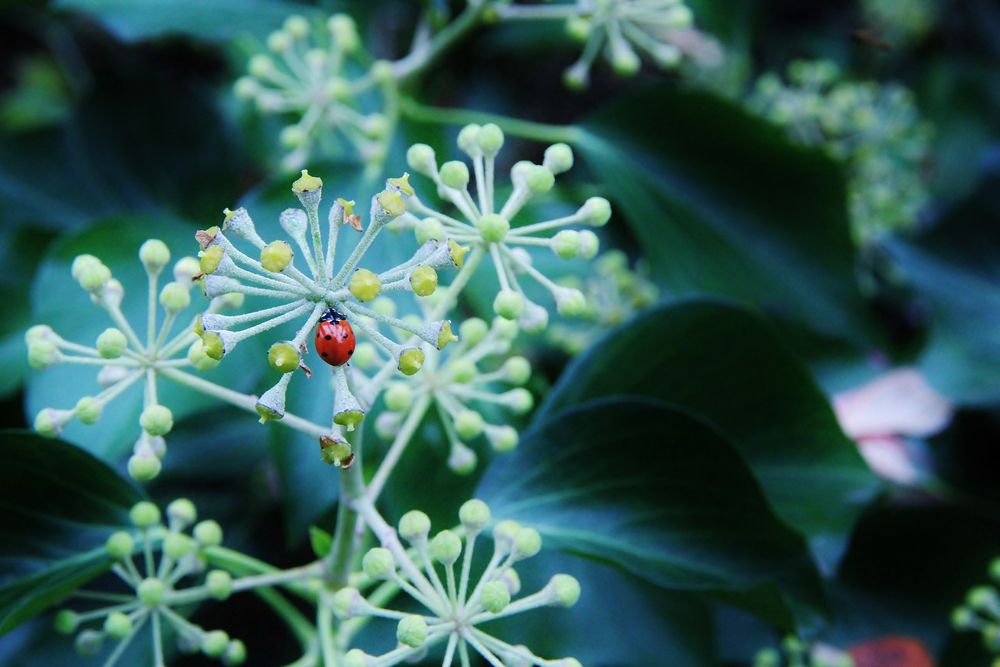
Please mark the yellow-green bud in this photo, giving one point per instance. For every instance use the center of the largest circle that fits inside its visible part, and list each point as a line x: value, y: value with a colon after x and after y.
x: 154, y: 255
x: 428, y: 228
x: 306, y: 183
x: 42, y: 354
x: 410, y: 360
x: 297, y: 26
x: 490, y: 138
x: 236, y: 653
x: 519, y: 400
x: 260, y: 66
x: 455, y: 174
x: 344, y: 32
x: 566, y: 243
x: 539, y: 179
x: 212, y: 345
x: 175, y: 297
x: 283, y: 357
x: 503, y: 439
x: 423, y: 280
x: 571, y: 302
x: 357, y: 658
x: 414, y: 525
x: 558, y: 158
x: 589, y: 244
x: 457, y: 253
x: 345, y: 602
x: 473, y: 330
x: 119, y: 545
x: 508, y: 304
x: 565, y: 590
x: 462, y: 370
x: 214, y: 643
x: 208, y: 533
x: 446, y: 547
x: 474, y: 515
x: 245, y: 88
x: 468, y: 424
x: 494, y: 596
x: 334, y: 451
x: 197, y: 357
x: 398, y: 397
x: 493, y: 228
x: 578, y: 28
x: 412, y: 631
x: 39, y: 332
x: 517, y: 370
x: 89, y: 642
x: 117, y: 625
x: 378, y: 563
x: 596, y: 211
x: 506, y: 329
x: 349, y: 418
x: 177, y: 545
x: 151, y: 591
x: 365, y: 285
x: 462, y: 459
x: 364, y: 355
x: 383, y: 71
x: 182, y: 512
x: 93, y: 275
x: 209, y: 259
x: 219, y: 584
x: 292, y: 136
x: 392, y: 203
x: 156, y: 420
x: 144, y: 466
x: 421, y: 159
x: 144, y: 514
x: 276, y: 256
x: 232, y: 300
x: 527, y: 542
x: 111, y: 343
x: 376, y: 125
x: 66, y: 622
x: 88, y: 410
x: 505, y: 532
x: 445, y: 335
x: 468, y: 139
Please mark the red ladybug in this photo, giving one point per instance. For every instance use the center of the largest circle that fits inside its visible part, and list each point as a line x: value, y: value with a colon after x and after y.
x: 334, y: 340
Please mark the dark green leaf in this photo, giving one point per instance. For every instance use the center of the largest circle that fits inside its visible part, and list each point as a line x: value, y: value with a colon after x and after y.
x: 320, y: 540
x: 59, y: 506
x: 657, y: 492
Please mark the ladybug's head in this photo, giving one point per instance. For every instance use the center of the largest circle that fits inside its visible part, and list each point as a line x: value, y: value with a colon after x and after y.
x: 332, y: 315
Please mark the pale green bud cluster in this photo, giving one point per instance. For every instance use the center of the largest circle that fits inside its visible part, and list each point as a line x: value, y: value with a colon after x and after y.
x: 875, y: 129
x: 796, y: 652
x: 437, y: 571
x: 901, y: 22
x: 154, y: 585
x: 980, y: 612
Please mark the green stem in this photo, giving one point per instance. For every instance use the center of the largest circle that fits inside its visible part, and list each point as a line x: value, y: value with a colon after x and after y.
x: 242, y: 565
x: 525, y: 129
x: 341, y: 557
x: 426, y: 54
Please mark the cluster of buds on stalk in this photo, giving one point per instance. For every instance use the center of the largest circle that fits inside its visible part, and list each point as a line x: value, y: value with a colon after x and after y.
x: 981, y: 612
x: 154, y: 588
x: 795, y: 652
x: 897, y: 22
x: 122, y: 357
x: 307, y: 296
x: 313, y: 74
x: 490, y: 228
x: 453, y: 386
x: 437, y: 574
x: 876, y: 130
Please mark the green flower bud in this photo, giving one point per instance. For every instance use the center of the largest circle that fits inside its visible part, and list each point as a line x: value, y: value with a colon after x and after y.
x: 232, y: 300
x: 570, y: 302
x: 291, y: 136
x: 596, y: 211
x: 519, y: 400
x: 423, y: 280
x: 156, y: 420
x: 494, y: 596
x: 446, y: 547
x: 398, y: 397
x: 49, y: 422
x: 625, y: 61
x: 539, y: 179
x: 505, y: 532
x: 589, y: 244
x: 111, y: 343
x: 410, y: 360
x: 767, y: 657
x: 455, y: 174
x: 364, y: 355
x: 245, y: 88
x: 412, y: 631
x: 506, y: 329
x: 558, y: 158
x: 565, y: 590
x: 981, y: 597
x: 214, y: 643
x: 283, y: 357
x: 527, y: 543
x: 493, y: 228
x: 357, y: 658
x: 503, y: 439
x: 490, y: 139
x: 279, y: 41
x: 462, y: 370
x: 473, y: 330
x: 566, y: 243
x: 197, y: 357
x: 66, y: 622
x: 378, y: 563
x: 365, y: 285
x: 88, y: 410
x: 344, y: 31
x: 42, y: 354
x: 346, y: 602
x: 39, y: 332
x: 962, y: 618
x: 428, y: 228
x: 508, y: 304
x: 117, y: 625
x: 219, y: 584
x: 468, y: 139
x: 474, y: 515
x: 119, y: 545
x: 212, y: 345
x: 512, y: 580
x: 421, y: 159
x: 89, y: 642
x: 144, y: 514
x: 414, y: 526
x: 151, y: 591
x: 236, y: 653
x: 208, y: 533
x: 175, y: 297
x: 276, y: 256
x: 461, y: 459
x: 181, y: 513
x: 177, y: 545
x: 297, y: 26
x: 154, y: 255
x: 376, y: 125
x: 144, y: 466
x: 210, y: 258
x: 468, y: 424
x: 578, y: 28
x: 517, y: 370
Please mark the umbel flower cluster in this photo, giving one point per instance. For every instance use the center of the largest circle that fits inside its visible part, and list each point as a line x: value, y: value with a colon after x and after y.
x: 305, y: 297
x: 981, y: 612
x: 155, y: 589
x: 488, y: 225
x: 901, y: 21
x: 875, y: 130
x: 122, y: 358
x: 437, y: 573
x: 795, y: 652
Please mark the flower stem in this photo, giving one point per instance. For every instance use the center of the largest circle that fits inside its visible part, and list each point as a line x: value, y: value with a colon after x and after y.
x: 424, y: 54
x: 525, y: 129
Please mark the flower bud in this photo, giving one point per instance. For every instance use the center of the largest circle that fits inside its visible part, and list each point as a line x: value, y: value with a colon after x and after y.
x: 283, y: 357
x: 566, y: 243
x: 186, y: 269
x: 427, y: 229
x: 214, y: 643
x: 40, y: 332
x: 493, y: 228
x: 490, y: 138
x: 42, y: 354
x: 461, y: 459
x: 364, y: 285
x: 236, y: 653
x: 175, y: 297
x: 578, y: 28
x: 508, y: 304
x: 117, y: 625
x: 558, y: 158
x: 512, y: 580
x: 455, y: 174
x: 347, y: 411
x: 347, y: 602
x: 410, y: 360
x: 181, y: 513
x: 589, y: 244
x: 335, y: 451
x: 364, y: 355
x: 378, y: 563
x: 423, y: 280
x: 412, y: 631
x: 210, y: 258
x: 357, y: 658
x: 570, y: 302
x: 276, y: 256
x: 981, y: 597
x: 527, y: 543
x: 197, y: 357
x: 518, y: 400
x: 962, y: 618
x: 565, y: 590
x: 176, y: 545
x: 208, y: 533
x: 392, y: 203
x: 66, y: 622
x: 154, y: 255
x: 539, y: 179
x: 596, y: 211
x: 421, y: 159
x: 503, y: 439
x: 462, y: 370
x: 625, y: 60
x: 49, y: 422
x: 245, y: 88
x: 344, y: 32
x: 119, y: 545
x: 156, y: 420
x: 219, y: 584
x: 504, y: 328
x: 516, y: 370
x: 111, y: 343
x: 88, y: 410
x: 494, y: 596
x: 89, y: 642
x: 144, y: 514
x: 144, y: 466
x: 468, y: 140
x: 446, y: 547
x: 151, y: 591
x: 468, y: 424
x: 505, y: 532
x: 414, y: 526
x: 297, y: 26
x: 473, y: 330
x: 398, y: 397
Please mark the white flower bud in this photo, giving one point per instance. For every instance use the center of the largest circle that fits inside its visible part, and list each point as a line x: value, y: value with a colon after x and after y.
x: 461, y: 459
x: 474, y: 515
x: 494, y: 596
x: 468, y: 424
x: 109, y: 375
x: 154, y: 255
x: 565, y: 590
x: 88, y: 410
x: 468, y: 140
x: 398, y: 397
x: 518, y: 400
x: 589, y: 244
x: 185, y: 269
x: 387, y: 424
x: 596, y: 211
x: 144, y: 466
x: 472, y: 331
x: 490, y: 139
x: 502, y: 439
x: 348, y: 603
x: 428, y: 229
x: 421, y: 159
x: 412, y: 631
x: 508, y: 304
x: 534, y: 318
x: 570, y: 302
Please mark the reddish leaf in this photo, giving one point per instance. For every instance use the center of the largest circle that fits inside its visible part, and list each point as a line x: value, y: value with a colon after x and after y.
x: 891, y: 652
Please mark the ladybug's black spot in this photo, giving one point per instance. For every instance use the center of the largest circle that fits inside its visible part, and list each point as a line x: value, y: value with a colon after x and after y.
x: 329, y: 337
x: 344, y: 337
x: 324, y: 354
x: 350, y: 352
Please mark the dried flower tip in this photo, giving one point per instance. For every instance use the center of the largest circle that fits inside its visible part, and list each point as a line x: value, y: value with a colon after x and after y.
x: 335, y: 451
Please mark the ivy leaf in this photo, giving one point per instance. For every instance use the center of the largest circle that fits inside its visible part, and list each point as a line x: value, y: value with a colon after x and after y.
x: 726, y: 366
x: 660, y: 494
x: 320, y: 540
x: 60, y: 504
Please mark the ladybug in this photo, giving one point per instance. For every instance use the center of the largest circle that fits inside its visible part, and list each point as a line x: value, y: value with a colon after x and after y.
x: 334, y: 340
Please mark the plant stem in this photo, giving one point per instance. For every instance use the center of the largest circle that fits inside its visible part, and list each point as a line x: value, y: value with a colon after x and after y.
x: 352, y: 487
x: 426, y: 53
x: 543, y: 132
